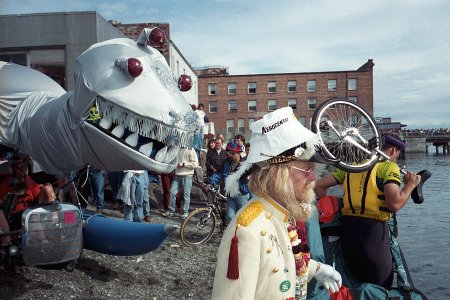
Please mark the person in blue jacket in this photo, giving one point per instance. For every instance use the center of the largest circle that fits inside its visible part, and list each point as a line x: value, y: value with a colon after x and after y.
x: 231, y: 165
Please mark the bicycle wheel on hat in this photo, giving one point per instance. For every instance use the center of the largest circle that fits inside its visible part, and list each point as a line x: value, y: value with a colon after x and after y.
x: 198, y: 227
x: 348, y: 134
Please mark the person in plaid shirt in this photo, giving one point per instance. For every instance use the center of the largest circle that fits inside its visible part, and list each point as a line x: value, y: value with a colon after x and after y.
x: 215, y: 158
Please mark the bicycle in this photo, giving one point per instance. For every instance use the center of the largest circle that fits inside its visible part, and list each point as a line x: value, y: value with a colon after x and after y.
x: 200, y: 224
x: 350, y: 139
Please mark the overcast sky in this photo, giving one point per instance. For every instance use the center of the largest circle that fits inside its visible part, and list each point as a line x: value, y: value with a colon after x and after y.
x: 408, y: 40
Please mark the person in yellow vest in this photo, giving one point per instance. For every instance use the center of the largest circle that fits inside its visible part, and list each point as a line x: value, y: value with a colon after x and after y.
x: 264, y: 252
x: 370, y: 199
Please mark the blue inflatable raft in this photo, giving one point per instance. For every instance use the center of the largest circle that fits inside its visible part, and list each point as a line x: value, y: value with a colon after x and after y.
x: 117, y: 237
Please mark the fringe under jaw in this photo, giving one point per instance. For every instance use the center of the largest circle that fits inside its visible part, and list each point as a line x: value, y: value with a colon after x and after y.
x: 180, y: 133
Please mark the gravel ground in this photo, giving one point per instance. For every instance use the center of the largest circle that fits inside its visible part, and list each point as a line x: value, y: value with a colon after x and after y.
x: 173, y: 271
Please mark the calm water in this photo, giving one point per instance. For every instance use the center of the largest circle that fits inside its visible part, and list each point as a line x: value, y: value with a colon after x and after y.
x: 424, y: 229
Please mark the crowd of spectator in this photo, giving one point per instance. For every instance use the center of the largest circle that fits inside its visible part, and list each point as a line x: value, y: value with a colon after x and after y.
x: 419, y: 131
x: 427, y: 131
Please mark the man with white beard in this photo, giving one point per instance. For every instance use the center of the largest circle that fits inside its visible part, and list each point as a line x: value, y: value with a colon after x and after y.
x: 264, y: 252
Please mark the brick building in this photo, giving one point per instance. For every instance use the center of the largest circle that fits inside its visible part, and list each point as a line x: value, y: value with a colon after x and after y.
x: 233, y: 102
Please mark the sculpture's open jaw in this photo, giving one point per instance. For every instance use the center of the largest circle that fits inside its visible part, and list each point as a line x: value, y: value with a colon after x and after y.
x: 147, y: 146
x: 156, y: 140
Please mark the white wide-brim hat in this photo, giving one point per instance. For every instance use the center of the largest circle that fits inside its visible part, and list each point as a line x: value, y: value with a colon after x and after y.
x: 276, y: 138
x: 276, y: 133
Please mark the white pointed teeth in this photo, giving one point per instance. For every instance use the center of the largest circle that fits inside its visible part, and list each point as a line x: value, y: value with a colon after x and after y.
x: 171, y: 154
x: 146, y: 149
x: 161, y: 154
x: 118, y: 131
x: 132, y: 139
x: 105, y: 123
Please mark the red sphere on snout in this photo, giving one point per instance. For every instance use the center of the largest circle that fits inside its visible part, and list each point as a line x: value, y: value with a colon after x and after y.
x: 156, y: 38
x: 134, y: 67
x: 184, y: 83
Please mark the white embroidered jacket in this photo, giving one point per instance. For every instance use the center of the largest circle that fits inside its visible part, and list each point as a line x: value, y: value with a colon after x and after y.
x: 266, y: 262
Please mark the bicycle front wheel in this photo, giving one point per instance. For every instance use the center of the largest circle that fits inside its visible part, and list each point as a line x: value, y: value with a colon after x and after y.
x: 347, y: 134
x: 198, y: 227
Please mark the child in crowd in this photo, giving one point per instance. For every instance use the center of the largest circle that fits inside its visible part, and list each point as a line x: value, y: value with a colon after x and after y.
x: 231, y: 165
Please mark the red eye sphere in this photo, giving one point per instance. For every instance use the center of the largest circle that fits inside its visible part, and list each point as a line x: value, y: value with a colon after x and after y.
x: 184, y: 83
x: 134, y: 67
x: 157, y: 38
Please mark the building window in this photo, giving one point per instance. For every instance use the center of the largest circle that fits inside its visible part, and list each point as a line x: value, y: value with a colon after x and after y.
x: 272, y: 87
x: 19, y: 58
x: 302, y: 120
x: 231, y: 88
x: 272, y: 105
x: 212, y: 89
x: 252, y: 87
x: 241, y: 125
x: 292, y: 86
x: 292, y: 103
x: 252, y: 105
x: 352, y: 84
x: 353, y: 98
x: 250, y: 121
x: 332, y: 85
x: 312, y: 103
x: 212, y: 106
x: 311, y: 86
x: 230, y: 126
x: 232, y: 106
